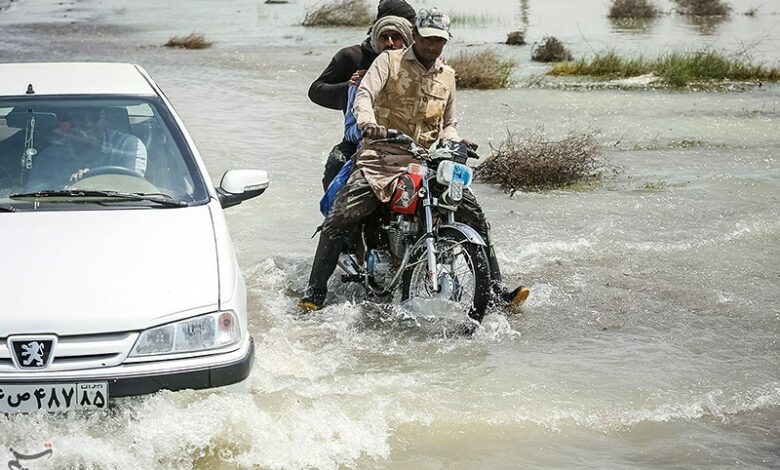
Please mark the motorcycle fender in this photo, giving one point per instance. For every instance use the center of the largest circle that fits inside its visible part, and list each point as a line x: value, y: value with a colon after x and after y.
x: 471, y: 235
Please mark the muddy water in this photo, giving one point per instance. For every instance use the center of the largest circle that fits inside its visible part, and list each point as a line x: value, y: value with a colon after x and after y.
x: 651, y: 336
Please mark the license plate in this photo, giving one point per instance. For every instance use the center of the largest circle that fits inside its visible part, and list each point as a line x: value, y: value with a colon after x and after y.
x: 28, y: 398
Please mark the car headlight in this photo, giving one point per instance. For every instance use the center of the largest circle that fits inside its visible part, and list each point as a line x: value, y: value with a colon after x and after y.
x: 205, y: 332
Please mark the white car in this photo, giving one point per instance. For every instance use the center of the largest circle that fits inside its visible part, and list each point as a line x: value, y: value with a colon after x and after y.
x: 117, y: 272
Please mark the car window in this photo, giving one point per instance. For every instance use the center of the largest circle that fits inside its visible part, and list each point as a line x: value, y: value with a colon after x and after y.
x: 97, y: 144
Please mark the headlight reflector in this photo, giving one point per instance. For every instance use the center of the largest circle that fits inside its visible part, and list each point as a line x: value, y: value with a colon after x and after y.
x: 205, y: 332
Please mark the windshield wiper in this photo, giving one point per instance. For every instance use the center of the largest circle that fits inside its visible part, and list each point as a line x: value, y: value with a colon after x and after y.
x: 7, y: 208
x: 160, y: 198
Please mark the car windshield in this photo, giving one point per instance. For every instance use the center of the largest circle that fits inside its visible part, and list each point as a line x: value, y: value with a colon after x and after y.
x: 68, y: 152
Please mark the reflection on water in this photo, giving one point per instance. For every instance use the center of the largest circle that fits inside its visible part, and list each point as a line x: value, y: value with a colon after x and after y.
x: 633, y: 25
x: 706, y: 25
x: 522, y: 14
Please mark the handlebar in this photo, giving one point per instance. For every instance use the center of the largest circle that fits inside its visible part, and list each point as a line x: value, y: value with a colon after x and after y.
x: 394, y: 136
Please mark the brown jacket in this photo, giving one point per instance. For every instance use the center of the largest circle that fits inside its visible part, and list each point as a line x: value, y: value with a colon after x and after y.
x: 398, y: 93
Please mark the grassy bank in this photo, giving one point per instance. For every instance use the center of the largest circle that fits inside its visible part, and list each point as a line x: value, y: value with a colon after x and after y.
x: 675, y: 69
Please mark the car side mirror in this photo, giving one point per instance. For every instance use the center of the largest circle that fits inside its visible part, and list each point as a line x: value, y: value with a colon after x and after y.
x: 239, y: 185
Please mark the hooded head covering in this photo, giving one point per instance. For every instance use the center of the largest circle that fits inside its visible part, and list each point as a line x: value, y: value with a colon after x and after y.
x: 393, y: 23
x: 395, y: 8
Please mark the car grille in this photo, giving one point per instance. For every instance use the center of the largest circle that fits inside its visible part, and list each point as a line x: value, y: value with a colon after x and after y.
x: 79, y: 352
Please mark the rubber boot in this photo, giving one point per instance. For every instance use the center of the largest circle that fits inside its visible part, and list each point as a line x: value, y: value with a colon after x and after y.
x: 325, y: 260
x: 514, y: 297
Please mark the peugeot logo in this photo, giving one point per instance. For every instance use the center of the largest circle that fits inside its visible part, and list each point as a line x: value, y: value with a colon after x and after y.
x: 32, y: 352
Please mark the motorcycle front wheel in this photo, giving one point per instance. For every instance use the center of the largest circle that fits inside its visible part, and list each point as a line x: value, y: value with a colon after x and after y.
x: 462, y: 270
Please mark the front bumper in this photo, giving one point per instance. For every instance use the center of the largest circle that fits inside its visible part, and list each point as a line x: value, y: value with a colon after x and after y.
x: 144, y: 378
x: 209, y: 377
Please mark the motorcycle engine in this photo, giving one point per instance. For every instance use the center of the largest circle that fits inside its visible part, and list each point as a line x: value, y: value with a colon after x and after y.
x: 399, y: 233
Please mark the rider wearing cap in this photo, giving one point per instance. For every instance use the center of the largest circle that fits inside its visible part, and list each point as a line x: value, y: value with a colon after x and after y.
x: 413, y: 91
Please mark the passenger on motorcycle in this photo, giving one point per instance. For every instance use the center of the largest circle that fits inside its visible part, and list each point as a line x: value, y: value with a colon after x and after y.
x: 330, y: 88
x: 412, y: 91
x: 389, y: 33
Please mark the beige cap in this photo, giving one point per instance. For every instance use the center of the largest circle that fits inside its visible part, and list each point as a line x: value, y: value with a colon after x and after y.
x: 433, y: 22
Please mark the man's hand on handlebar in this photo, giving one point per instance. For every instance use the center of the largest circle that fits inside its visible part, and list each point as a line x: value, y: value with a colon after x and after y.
x: 374, y: 131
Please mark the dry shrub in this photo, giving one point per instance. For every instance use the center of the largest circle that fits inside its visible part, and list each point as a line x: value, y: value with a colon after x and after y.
x: 535, y: 162
x: 339, y: 13
x: 551, y: 49
x: 191, y: 41
x: 702, y: 7
x: 625, y: 9
x: 516, y: 38
x: 482, y: 70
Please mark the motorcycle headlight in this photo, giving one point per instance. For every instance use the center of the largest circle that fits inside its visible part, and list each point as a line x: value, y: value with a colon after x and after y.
x: 202, y: 333
x: 450, y: 172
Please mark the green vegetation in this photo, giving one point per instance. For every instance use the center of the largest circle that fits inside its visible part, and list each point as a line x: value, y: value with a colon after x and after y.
x: 551, y: 49
x: 482, y: 70
x: 516, y: 38
x: 464, y: 19
x: 536, y: 162
x: 339, y: 13
x: 191, y: 41
x: 676, y: 69
x: 702, y: 7
x: 630, y: 9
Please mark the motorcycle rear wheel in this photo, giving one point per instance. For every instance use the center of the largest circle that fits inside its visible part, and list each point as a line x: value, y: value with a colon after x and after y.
x: 463, y: 272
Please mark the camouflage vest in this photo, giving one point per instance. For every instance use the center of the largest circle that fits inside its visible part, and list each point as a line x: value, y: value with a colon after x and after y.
x: 413, y: 102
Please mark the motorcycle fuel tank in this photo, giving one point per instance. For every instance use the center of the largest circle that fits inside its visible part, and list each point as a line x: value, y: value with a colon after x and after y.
x: 405, y: 196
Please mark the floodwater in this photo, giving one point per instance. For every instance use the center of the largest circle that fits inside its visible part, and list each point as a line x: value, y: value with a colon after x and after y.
x: 651, y: 336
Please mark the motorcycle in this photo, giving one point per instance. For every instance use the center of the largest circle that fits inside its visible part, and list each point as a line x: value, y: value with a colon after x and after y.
x: 414, y: 242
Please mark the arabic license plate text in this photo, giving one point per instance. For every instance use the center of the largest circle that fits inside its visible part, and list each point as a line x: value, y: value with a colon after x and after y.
x: 28, y: 398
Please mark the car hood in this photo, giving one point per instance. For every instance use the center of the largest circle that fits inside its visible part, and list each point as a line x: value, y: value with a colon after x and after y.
x: 87, y: 272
